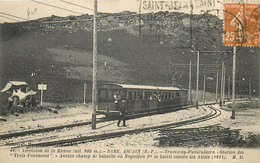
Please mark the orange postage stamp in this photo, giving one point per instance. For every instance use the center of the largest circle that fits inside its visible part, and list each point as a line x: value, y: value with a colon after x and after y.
x: 241, y: 24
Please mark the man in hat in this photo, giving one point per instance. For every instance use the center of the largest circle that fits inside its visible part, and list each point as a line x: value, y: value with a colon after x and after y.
x: 122, y: 113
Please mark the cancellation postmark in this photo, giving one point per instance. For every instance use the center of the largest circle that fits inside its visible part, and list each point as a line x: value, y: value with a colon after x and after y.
x: 241, y: 23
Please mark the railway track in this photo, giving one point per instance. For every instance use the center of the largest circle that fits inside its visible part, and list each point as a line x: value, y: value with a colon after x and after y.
x: 49, y: 129
x: 58, y: 140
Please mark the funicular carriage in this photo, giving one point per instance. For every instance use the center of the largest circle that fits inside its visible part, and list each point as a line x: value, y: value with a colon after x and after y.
x: 138, y: 98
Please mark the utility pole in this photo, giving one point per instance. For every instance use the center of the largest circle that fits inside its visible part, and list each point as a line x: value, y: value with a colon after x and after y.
x: 228, y: 87
x: 250, y: 93
x: 224, y: 85
x: 222, y: 81
x: 189, y: 93
x: 94, y: 91
x: 197, y: 82
x: 85, y: 88
x: 217, y: 88
x: 233, y: 82
x: 204, y: 85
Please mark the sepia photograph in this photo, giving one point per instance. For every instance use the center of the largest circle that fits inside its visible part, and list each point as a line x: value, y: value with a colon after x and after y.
x: 130, y: 80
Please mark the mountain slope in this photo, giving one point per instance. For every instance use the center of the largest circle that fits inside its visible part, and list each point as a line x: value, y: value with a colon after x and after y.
x: 131, y: 49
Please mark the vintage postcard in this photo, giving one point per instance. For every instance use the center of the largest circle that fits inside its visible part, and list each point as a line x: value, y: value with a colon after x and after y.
x: 129, y: 81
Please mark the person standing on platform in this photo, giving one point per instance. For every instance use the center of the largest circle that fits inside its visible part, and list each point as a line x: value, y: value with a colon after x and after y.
x: 117, y: 100
x: 122, y: 113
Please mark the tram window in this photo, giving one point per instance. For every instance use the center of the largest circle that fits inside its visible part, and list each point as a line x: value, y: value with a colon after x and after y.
x: 151, y: 95
x: 140, y: 95
x: 110, y: 95
x: 172, y: 95
x: 166, y: 95
x: 102, y: 94
x: 130, y: 96
x: 155, y: 95
x: 146, y: 95
x: 123, y: 95
x: 177, y: 94
x: 134, y: 95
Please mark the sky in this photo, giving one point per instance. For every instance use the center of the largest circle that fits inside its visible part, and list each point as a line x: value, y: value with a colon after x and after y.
x: 13, y: 11
x: 23, y: 10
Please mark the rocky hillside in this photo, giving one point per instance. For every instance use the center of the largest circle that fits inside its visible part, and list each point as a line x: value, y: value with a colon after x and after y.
x: 132, y: 48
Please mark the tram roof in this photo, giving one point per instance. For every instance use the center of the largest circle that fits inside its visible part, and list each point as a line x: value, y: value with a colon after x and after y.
x: 130, y: 86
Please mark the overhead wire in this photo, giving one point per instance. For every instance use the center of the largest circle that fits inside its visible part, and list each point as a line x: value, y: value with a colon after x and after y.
x: 56, y: 7
x: 9, y: 18
x: 77, y: 5
x: 13, y: 16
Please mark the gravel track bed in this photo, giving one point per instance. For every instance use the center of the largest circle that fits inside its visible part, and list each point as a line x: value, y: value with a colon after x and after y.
x: 111, y: 126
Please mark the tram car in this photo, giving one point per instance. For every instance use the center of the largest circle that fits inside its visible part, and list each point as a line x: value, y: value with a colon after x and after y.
x: 138, y: 98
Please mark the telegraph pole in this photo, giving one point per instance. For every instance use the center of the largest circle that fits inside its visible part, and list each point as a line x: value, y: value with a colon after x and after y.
x: 233, y: 82
x: 189, y: 93
x: 217, y: 88
x: 222, y: 82
x: 85, y: 88
x: 224, y: 85
x: 228, y: 87
x: 250, y: 87
x: 204, y: 87
x: 197, y: 64
x: 94, y: 91
x: 197, y: 82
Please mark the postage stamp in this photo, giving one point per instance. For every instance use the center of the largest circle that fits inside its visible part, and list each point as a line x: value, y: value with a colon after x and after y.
x: 241, y: 24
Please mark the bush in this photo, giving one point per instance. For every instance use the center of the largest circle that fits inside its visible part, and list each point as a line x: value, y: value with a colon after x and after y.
x: 250, y: 141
